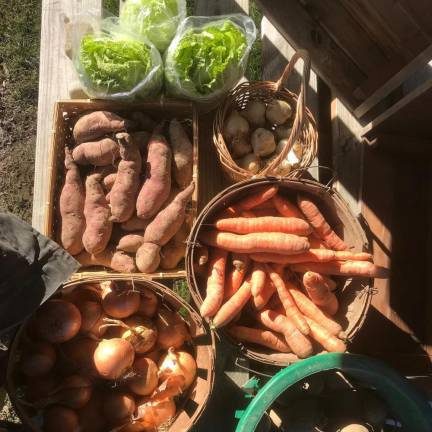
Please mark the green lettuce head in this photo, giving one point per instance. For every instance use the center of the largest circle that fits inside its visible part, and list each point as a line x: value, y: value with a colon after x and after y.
x: 206, y: 60
x: 156, y: 20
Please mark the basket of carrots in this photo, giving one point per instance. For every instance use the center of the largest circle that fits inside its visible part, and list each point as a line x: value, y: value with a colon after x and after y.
x: 281, y: 267
x: 112, y: 354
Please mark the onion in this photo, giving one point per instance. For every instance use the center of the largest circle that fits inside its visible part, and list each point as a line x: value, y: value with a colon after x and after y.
x: 145, y: 377
x: 141, y: 333
x: 84, y: 292
x: 113, y: 357
x: 58, y: 418
x: 119, y: 302
x: 118, y: 407
x: 40, y: 387
x: 171, y: 387
x: 172, y: 331
x: 132, y: 427
x: 79, y: 354
x: 92, y: 316
x: 73, y: 392
x: 176, y: 363
x: 149, y: 303
x: 153, y: 414
x: 91, y: 416
x: 38, y: 359
x: 154, y: 355
x: 58, y: 321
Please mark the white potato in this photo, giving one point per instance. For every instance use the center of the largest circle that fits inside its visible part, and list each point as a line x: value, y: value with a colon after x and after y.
x: 263, y: 142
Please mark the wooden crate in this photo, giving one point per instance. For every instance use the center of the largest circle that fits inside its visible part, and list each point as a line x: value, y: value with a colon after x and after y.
x: 65, y: 113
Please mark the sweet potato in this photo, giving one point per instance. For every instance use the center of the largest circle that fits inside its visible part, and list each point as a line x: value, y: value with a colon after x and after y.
x: 147, y: 257
x: 97, y: 124
x: 174, y: 251
x: 182, y: 153
x: 72, y: 199
x: 157, y: 183
x: 130, y: 242
x: 109, y: 180
x: 99, y: 153
x: 135, y: 224
x: 97, y: 215
x: 116, y: 260
x: 169, y: 220
x: 124, y: 191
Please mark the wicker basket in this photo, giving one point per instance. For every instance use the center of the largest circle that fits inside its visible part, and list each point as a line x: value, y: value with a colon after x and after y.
x: 66, y: 113
x: 303, y: 129
x: 354, y: 294
x: 191, y: 405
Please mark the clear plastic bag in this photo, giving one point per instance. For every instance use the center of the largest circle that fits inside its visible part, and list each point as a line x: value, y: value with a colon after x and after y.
x: 114, y: 64
x: 208, y: 56
x: 156, y: 20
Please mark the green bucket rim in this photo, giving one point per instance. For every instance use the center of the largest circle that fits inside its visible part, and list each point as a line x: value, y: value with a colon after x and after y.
x: 415, y: 413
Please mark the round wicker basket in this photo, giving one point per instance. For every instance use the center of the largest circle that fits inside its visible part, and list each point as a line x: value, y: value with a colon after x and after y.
x: 303, y: 129
x: 354, y: 295
x: 191, y: 405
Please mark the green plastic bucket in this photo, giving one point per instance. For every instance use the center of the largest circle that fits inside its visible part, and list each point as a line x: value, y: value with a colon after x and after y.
x: 413, y: 411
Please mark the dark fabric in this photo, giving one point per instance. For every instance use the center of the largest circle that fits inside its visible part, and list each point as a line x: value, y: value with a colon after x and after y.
x: 32, y: 268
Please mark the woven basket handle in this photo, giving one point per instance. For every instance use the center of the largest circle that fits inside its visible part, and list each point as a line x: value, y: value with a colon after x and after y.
x: 301, y: 104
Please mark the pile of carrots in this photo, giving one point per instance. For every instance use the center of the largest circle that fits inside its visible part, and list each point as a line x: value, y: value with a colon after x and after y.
x: 267, y: 263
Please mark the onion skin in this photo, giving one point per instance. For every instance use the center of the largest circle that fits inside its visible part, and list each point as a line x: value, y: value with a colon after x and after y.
x: 146, y: 378
x: 172, y: 330
x: 57, y: 418
x: 152, y: 414
x: 38, y: 359
x: 58, y: 321
x: 119, y: 302
x: 79, y: 354
x: 142, y: 335
x: 118, y: 407
x: 176, y: 363
x: 148, y: 304
x: 113, y: 358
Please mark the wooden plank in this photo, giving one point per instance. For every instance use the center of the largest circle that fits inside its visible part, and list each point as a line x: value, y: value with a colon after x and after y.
x: 56, y: 78
x: 221, y: 7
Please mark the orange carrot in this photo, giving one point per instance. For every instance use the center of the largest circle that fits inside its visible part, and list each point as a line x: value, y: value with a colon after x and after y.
x: 258, y: 279
x: 227, y: 213
x: 256, y: 242
x: 266, y: 205
x: 316, y: 243
x: 247, y: 225
x: 236, y: 275
x: 277, y: 322
x: 265, y: 338
x: 312, y: 255
x: 329, y: 342
x: 286, y: 208
x: 261, y: 300
x: 266, y: 212
x: 310, y: 310
x: 344, y: 268
x: 233, y: 306
x: 319, y: 224
x: 288, y: 303
x: 246, y: 214
x: 330, y: 283
x: 319, y: 292
x: 256, y: 199
x: 215, y: 283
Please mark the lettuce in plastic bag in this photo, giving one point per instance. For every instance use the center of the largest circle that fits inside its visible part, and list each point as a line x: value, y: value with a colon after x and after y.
x: 157, y: 20
x: 205, y: 60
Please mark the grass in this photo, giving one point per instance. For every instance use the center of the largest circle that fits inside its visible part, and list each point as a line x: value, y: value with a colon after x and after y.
x: 254, y: 67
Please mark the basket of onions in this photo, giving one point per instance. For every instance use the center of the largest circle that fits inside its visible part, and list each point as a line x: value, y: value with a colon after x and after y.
x: 112, y: 354
x: 263, y: 129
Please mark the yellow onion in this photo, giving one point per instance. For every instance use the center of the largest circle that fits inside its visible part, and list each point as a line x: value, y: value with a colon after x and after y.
x: 118, y: 407
x: 58, y: 418
x: 119, y: 302
x: 145, y: 378
x: 149, y: 303
x: 172, y: 330
x: 38, y: 359
x: 141, y: 333
x: 153, y: 414
x: 92, y: 316
x: 178, y: 363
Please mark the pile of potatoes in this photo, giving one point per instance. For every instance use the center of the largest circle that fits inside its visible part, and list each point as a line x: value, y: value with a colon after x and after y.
x: 105, y: 356
x: 124, y: 200
x: 257, y: 134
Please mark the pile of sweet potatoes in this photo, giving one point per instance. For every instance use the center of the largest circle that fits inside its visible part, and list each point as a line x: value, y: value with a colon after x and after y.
x: 124, y: 202
x: 266, y: 262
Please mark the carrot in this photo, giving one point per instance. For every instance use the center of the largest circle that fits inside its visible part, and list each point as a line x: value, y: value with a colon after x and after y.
x: 344, y: 268
x: 329, y: 342
x: 215, y: 284
x: 203, y: 255
x: 310, y: 310
x: 266, y: 205
x: 261, y: 300
x: 319, y: 292
x: 247, y: 225
x: 316, y: 243
x: 246, y: 214
x: 233, y: 306
x: 279, y: 323
x: 319, y: 224
x: 236, y: 275
x: 227, y: 213
x: 258, y: 279
x: 312, y: 255
x: 286, y: 208
x: 330, y: 283
x: 265, y: 338
x: 266, y: 212
x: 256, y: 199
x: 256, y: 242
x: 288, y: 303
